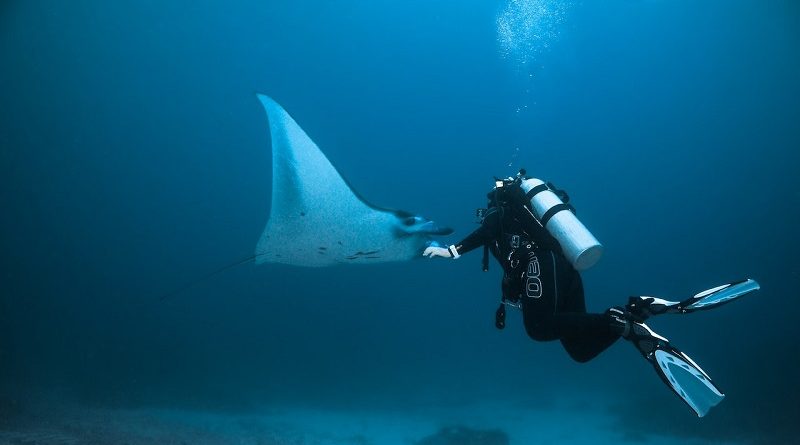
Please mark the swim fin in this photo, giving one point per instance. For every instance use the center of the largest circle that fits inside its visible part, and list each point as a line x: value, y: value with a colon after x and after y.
x: 676, y: 369
x: 642, y: 307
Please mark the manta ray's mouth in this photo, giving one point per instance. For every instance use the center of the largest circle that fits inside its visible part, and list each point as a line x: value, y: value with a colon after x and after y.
x: 432, y: 228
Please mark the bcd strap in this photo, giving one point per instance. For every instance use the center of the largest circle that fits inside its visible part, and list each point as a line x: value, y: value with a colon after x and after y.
x: 562, y: 195
x: 485, y: 257
x: 536, y: 190
x: 480, y: 215
x: 553, y: 210
x: 500, y: 317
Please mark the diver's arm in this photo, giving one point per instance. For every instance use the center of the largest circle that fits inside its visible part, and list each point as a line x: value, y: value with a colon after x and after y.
x: 482, y: 235
x: 477, y: 238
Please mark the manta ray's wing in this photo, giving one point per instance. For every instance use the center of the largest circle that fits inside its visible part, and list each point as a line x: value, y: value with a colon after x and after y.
x: 316, y: 219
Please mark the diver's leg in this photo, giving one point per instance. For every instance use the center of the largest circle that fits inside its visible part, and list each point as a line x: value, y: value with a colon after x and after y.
x: 583, y: 348
x: 553, y: 307
x: 584, y: 336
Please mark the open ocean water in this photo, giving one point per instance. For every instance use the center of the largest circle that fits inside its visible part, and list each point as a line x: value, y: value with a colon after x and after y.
x: 135, y: 159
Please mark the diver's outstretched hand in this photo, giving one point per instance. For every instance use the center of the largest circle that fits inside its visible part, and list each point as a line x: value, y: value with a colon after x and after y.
x: 433, y: 251
x: 444, y: 252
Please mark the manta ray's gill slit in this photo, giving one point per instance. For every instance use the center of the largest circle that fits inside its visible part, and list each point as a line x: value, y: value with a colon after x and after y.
x: 371, y: 252
x: 371, y: 255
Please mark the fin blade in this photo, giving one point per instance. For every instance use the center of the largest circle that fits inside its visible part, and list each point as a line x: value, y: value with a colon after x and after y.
x: 719, y: 295
x: 686, y: 379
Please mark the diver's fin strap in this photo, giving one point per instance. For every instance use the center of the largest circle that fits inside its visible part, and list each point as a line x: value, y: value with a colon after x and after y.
x: 644, y: 307
x: 551, y: 212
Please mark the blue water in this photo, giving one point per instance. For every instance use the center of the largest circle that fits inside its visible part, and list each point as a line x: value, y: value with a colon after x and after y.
x: 135, y: 158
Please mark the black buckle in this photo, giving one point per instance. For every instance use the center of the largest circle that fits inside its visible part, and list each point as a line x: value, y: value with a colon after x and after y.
x: 500, y: 317
x: 515, y: 241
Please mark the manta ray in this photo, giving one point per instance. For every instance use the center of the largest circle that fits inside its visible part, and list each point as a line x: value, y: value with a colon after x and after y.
x: 316, y: 219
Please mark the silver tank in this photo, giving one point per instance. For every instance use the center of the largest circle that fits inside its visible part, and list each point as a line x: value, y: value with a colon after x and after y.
x: 579, y: 245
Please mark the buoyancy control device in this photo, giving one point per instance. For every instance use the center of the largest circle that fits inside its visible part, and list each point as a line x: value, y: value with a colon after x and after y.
x: 550, y: 207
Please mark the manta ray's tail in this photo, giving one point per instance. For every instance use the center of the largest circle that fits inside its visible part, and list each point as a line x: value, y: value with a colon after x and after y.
x: 206, y: 277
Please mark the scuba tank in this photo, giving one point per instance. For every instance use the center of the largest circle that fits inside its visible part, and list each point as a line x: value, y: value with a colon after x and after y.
x: 580, y: 247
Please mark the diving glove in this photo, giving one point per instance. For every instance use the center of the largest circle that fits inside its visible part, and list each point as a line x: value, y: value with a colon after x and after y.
x: 444, y: 252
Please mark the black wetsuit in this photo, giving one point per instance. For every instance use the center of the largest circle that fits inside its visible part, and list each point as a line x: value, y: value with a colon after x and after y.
x: 537, y: 274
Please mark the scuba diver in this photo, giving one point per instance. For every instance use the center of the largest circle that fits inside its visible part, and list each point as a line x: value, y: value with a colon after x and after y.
x: 532, y: 231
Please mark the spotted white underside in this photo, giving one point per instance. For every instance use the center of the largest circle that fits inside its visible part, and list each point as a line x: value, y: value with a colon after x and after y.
x: 316, y: 219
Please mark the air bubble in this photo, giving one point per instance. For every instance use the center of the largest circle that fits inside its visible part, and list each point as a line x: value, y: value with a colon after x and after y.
x: 527, y: 27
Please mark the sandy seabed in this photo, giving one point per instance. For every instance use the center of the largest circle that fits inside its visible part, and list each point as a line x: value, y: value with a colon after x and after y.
x: 489, y: 424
